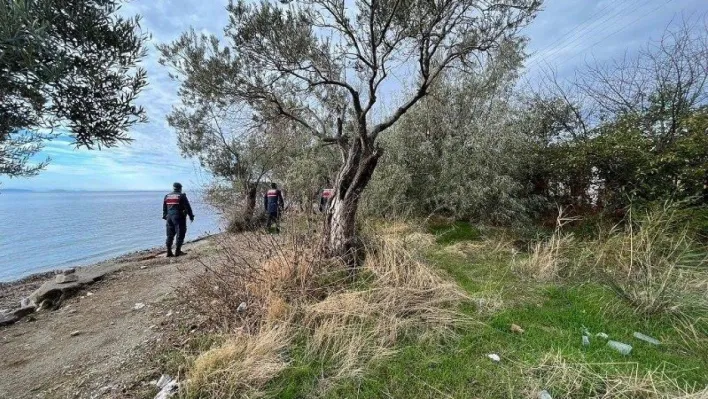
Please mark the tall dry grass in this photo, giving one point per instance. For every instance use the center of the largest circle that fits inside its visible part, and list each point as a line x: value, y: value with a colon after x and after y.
x: 655, y: 264
x: 651, y: 260
x: 292, y: 295
x: 552, y: 258
x: 565, y: 379
x: 259, y: 270
x: 240, y: 367
x: 402, y: 296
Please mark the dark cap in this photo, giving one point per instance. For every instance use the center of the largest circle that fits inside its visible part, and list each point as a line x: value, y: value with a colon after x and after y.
x: 177, y: 186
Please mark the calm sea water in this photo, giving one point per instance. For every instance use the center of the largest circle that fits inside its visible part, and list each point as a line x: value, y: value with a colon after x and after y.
x: 46, y: 231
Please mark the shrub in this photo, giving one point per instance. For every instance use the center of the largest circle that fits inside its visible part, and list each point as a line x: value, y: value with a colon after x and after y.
x: 295, y: 298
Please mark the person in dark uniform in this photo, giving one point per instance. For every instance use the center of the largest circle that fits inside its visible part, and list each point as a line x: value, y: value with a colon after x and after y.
x: 175, y: 210
x: 273, y: 203
x: 325, y: 198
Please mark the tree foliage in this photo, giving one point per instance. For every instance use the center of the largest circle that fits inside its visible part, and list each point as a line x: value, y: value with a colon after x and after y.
x: 69, y: 65
x: 321, y: 65
x: 462, y: 151
x: 632, y: 130
x: 238, y: 156
x: 480, y: 147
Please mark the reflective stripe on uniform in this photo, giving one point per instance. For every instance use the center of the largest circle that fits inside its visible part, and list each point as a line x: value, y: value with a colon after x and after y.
x: 327, y: 193
x: 172, y: 199
x: 272, y: 193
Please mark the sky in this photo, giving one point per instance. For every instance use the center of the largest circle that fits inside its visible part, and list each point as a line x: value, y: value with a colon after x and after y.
x: 565, y: 35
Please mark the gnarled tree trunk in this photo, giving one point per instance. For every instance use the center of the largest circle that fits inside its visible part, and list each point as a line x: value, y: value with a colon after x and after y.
x: 250, y: 206
x: 339, y: 238
x: 243, y: 219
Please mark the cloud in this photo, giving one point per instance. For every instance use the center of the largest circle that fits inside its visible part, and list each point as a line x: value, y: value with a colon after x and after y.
x: 567, y: 34
x: 564, y: 35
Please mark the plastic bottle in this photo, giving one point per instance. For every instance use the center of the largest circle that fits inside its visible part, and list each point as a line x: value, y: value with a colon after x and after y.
x: 620, y: 347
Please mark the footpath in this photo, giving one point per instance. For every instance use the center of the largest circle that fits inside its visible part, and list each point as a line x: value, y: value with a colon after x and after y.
x: 94, y: 335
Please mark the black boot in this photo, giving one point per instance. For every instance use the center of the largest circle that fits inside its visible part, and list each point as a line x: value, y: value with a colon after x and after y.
x: 169, y: 253
x: 179, y: 252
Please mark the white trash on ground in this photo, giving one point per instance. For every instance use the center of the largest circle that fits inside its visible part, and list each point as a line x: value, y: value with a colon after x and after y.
x: 494, y: 357
x: 620, y: 347
x: 167, y: 386
x: 544, y: 395
x: 646, y: 338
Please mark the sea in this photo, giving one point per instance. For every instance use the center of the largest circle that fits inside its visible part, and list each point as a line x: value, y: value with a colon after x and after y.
x: 41, y: 231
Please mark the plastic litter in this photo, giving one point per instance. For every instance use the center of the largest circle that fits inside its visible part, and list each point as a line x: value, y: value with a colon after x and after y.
x: 544, y: 395
x: 164, y: 380
x: 494, y: 357
x: 646, y: 338
x: 620, y: 347
x: 602, y: 335
x: 586, y: 340
x: 168, y: 391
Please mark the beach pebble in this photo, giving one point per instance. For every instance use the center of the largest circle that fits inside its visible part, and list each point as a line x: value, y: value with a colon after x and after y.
x: 241, y: 307
x: 138, y: 306
x: 75, y: 333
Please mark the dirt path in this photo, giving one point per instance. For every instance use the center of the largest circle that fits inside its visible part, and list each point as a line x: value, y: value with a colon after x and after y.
x: 98, y: 343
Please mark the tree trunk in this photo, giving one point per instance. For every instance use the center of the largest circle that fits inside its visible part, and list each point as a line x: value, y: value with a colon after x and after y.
x: 243, y: 219
x: 340, y: 239
x: 250, y: 204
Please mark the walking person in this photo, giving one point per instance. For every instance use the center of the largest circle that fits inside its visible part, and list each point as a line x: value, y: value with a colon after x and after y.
x: 175, y: 210
x: 325, y: 198
x: 273, y: 203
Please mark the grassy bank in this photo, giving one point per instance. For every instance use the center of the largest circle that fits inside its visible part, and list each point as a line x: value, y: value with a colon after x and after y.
x: 429, y: 307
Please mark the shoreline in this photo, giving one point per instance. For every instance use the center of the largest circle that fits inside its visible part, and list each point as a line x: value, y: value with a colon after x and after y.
x: 118, y: 258
x: 99, y: 335
x: 12, y: 292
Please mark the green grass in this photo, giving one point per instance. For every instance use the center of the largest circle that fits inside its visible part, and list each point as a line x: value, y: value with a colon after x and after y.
x: 449, y: 234
x: 552, y: 315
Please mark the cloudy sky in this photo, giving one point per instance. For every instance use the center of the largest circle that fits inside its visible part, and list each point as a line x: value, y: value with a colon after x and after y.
x: 565, y: 35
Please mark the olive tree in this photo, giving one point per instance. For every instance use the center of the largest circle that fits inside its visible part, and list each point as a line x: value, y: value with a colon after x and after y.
x: 462, y: 151
x: 219, y: 137
x: 69, y: 65
x: 323, y: 64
